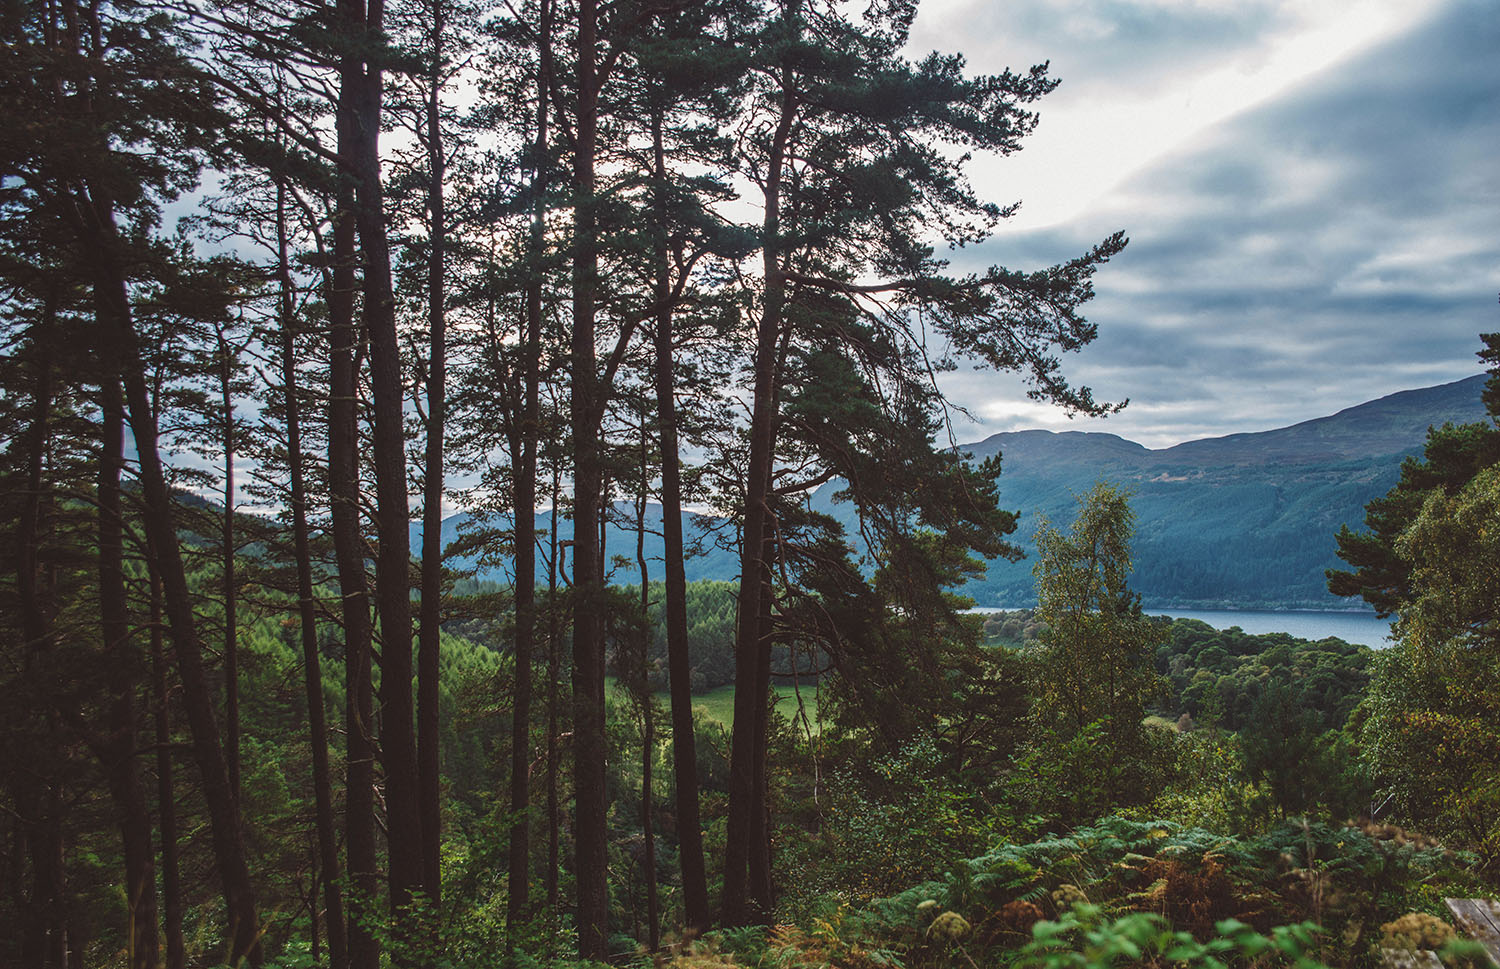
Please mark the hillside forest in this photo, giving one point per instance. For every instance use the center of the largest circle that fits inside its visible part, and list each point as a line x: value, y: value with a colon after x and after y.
x: 286, y: 284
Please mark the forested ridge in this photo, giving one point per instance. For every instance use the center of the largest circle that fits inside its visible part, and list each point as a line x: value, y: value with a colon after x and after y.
x: 1277, y: 497
x: 282, y: 280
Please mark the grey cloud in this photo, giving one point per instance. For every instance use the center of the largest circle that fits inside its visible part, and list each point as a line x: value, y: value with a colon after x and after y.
x: 1099, y: 42
x: 1334, y: 245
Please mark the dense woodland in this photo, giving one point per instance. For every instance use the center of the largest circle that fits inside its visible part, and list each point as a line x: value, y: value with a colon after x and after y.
x: 280, y: 279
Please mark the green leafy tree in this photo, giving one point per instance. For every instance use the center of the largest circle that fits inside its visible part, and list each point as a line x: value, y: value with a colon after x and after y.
x: 1454, y: 454
x: 1094, y: 672
x: 1285, y: 748
x: 1431, y: 736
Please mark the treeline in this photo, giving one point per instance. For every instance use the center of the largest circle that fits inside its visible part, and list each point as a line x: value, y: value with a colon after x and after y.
x: 711, y: 608
x: 1277, y: 520
x: 1220, y: 677
x: 507, y: 255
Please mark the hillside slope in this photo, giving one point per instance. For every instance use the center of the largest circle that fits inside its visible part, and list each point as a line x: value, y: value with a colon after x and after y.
x: 1243, y: 521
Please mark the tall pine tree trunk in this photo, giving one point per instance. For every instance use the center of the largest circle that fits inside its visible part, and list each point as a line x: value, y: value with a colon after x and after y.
x: 166, y: 798
x: 392, y: 516
x: 327, y: 844
x: 118, y: 342
x: 116, y: 748
x: 679, y: 670
x: 429, y: 630
x: 227, y: 588
x: 643, y: 687
x: 42, y: 933
x: 344, y: 492
x: 752, y: 642
x: 760, y: 819
x: 554, y: 674
x: 524, y: 452
x: 45, y: 942
x: 589, y: 745
x: 34, y: 624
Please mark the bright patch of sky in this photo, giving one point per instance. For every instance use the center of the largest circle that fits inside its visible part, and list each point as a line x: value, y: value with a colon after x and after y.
x: 1143, y: 79
x: 1310, y: 189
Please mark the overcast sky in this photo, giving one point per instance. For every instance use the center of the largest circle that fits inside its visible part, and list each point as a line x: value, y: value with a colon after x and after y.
x: 1311, y: 190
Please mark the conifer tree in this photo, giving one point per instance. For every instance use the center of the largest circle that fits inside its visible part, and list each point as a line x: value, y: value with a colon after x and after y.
x: 684, y: 66
x: 120, y: 140
x: 858, y: 156
x: 1451, y: 457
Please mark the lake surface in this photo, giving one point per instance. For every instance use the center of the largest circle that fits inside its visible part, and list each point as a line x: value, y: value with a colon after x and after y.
x: 1352, y: 627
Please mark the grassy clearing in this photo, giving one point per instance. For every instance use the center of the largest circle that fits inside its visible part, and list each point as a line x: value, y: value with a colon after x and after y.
x: 718, y: 703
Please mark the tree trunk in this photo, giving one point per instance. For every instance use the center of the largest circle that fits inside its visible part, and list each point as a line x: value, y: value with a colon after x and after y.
x: 166, y: 803
x: 344, y: 494
x: 116, y: 748
x: 648, y: 725
x: 679, y: 669
x: 34, y: 624
x: 226, y: 538
x: 429, y: 770
x: 393, y: 555
x: 118, y: 343
x: 524, y: 456
x: 48, y: 916
x: 42, y: 933
x: 589, y: 744
x: 327, y: 845
x: 760, y: 819
x: 554, y: 673
x: 752, y: 645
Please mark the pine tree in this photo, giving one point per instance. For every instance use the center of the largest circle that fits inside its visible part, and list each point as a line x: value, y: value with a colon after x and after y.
x: 1451, y: 458
x: 128, y: 127
x: 845, y: 142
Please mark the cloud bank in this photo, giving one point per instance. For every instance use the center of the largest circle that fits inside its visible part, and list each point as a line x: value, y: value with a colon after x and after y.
x: 1335, y: 242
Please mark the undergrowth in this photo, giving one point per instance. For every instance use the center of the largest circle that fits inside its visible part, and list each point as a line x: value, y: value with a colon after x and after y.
x: 1123, y: 892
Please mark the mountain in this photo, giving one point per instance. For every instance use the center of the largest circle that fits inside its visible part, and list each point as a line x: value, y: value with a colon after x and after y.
x: 712, y: 562
x: 1243, y: 521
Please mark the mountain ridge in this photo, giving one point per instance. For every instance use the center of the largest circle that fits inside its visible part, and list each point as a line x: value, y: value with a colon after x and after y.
x: 1405, y: 416
x: 1243, y: 520
x: 1239, y: 521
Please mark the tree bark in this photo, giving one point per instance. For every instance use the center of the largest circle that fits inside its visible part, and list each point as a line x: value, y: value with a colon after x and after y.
x: 116, y: 747
x: 361, y: 87
x: 42, y: 934
x: 761, y: 895
x: 679, y: 669
x: 524, y: 451
x: 166, y: 803
x: 429, y: 769
x: 118, y: 342
x: 392, y: 515
x: 648, y: 724
x: 344, y: 493
x: 34, y: 625
x: 226, y: 538
x: 554, y: 674
x: 752, y: 642
x: 327, y: 845
x: 589, y: 744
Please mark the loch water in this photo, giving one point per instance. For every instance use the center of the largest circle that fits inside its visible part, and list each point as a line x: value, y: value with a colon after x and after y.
x: 1352, y: 627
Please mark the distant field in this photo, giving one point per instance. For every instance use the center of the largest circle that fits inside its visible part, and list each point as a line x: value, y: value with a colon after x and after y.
x: 718, y: 703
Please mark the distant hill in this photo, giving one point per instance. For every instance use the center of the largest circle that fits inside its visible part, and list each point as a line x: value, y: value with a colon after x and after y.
x: 1243, y: 521
x: 714, y: 562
